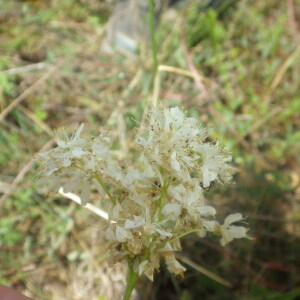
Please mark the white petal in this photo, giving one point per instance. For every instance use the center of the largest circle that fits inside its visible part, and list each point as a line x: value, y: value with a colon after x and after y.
x: 113, y: 172
x: 206, y: 181
x: 129, y: 224
x: 226, y: 238
x: 121, y: 234
x: 116, y: 211
x: 85, y: 194
x: 172, y: 209
x: 201, y: 233
x: 163, y: 232
x: 67, y: 162
x: 206, y: 211
x: 78, y: 131
x: 233, y: 218
x: 174, y: 163
x: 78, y: 152
x: 99, y: 149
x: 110, y: 235
x: 213, y: 175
x: 177, y: 192
x: 132, y: 176
x: 142, y: 267
x: 173, y: 265
x: 61, y: 144
x: 237, y: 232
x: 134, y: 224
x: 210, y: 225
x: 149, y: 273
x: 166, y: 248
x: 91, y: 164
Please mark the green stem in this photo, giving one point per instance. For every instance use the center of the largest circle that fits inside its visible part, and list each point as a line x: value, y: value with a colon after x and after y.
x: 100, y: 181
x: 152, y: 34
x: 184, y: 234
x: 105, y: 189
x: 132, y: 279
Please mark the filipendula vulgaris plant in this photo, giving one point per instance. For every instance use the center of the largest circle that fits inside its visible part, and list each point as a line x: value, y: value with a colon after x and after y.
x: 158, y: 201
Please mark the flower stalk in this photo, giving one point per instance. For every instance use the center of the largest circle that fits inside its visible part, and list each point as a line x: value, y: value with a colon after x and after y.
x: 131, y: 281
x: 105, y: 189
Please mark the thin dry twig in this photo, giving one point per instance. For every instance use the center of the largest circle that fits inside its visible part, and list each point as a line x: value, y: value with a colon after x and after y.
x: 28, y: 91
x: 36, y: 120
x: 133, y: 83
x: 291, y: 19
x: 164, y: 68
x: 27, y: 68
x: 283, y: 68
x: 197, y: 78
x: 22, y: 173
x: 204, y: 271
x: 181, y: 72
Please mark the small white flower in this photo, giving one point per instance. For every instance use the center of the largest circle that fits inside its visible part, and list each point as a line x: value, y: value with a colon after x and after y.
x: 78, y: 152
x: 137, y: 222
x: 191, y: 200
x: 210, y: 225
x: 230, y: 232
x: 169, y: 141
x: 206, y: 211
x: 173, y: 265
x: 172, y: 210
x: 174, y: 163
x: 152, y: 228
x: 164, y: 233
x: 214, y: 162
x: 121, y: 234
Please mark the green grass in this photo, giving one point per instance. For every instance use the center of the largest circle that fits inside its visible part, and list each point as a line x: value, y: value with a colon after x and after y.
x: 248, y: 57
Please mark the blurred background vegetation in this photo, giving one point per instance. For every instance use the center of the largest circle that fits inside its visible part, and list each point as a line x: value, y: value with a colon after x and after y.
x: 236, y: 67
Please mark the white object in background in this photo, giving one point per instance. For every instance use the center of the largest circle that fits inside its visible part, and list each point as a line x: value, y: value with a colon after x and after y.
x: 89, y: 206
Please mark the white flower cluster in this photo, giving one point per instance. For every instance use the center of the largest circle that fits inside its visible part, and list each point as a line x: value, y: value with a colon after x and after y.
x: 152, y: 206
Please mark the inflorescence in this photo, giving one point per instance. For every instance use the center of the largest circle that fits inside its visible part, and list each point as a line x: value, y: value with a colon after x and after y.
x: 152, y: 205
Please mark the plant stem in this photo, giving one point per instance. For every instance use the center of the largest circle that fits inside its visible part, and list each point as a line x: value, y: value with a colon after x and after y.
x: 105, y: 189
x: 132, y: 279
x: 152, y: 35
